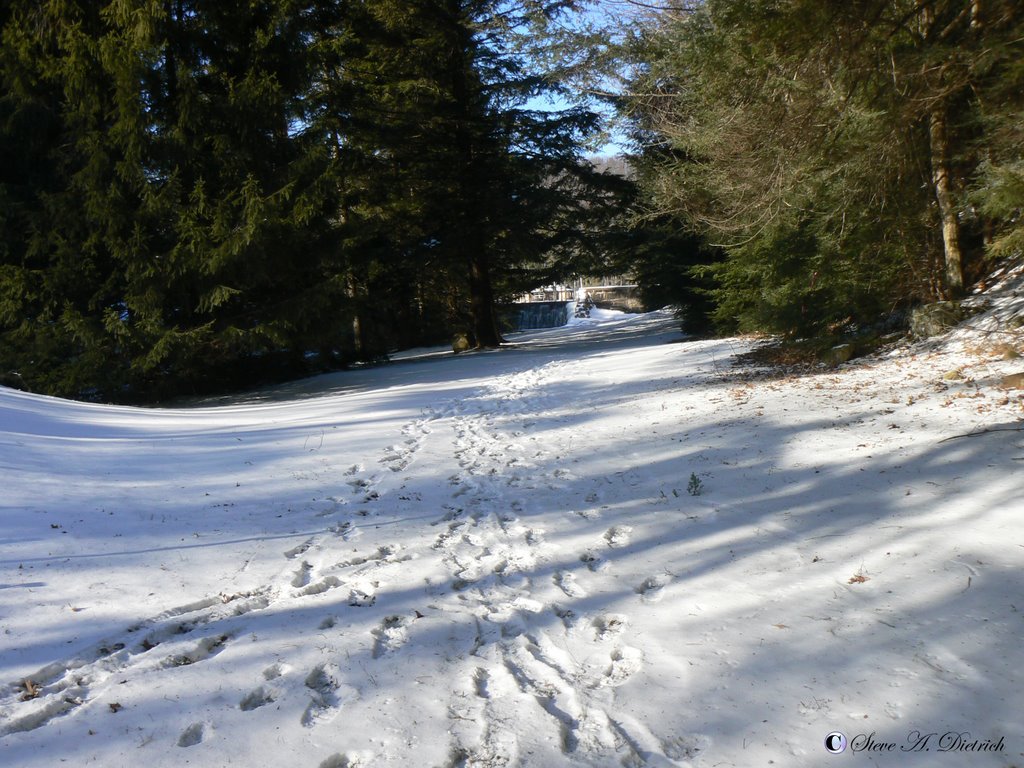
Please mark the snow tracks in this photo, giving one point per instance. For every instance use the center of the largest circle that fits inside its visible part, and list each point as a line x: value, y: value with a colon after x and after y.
x: 425, y: 561
x: 538, y: 685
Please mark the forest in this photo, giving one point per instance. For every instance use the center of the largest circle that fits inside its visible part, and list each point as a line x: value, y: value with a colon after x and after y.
x: 199, y: 196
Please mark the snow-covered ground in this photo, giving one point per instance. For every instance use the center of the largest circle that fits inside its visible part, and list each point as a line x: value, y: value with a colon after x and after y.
x: 597, y: 547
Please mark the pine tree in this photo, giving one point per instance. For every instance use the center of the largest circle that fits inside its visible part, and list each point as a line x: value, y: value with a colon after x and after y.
x: 453, y: 183
x: 64, y: 200
x: 239, y: 268
x: 177, y: 216
x: 830, y: 149
x: 202, y: 195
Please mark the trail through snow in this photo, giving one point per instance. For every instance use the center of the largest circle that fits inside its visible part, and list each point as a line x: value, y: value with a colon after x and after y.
x: 493, y: 560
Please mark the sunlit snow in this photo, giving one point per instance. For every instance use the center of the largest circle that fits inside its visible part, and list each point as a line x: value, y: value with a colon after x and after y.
x: 601, y: 546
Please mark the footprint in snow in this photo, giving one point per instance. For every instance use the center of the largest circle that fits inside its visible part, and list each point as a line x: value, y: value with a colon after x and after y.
x: 537, y: 675
x: 324, y: 585
x: 395, y: 458
x: 391, y: 635
x: 624, y: 663
x: 357, y: 598
x: 192, y: 735
x: 55, y: 707
x: 346, y: 530
x: 570, y: 619
x: 566, y: 581
x: 652, y: 590
x: 332, y: 507
x: 594, y: 561
x: 609, y: 625
x: 294, y: 552
x: 327, y: 694
x: 155, y: 638
x: 258, y: 697
x: 204, y: 649
x: 448, y: 536
x: 648, y: 750
x: 301, y: 577
x: 106, y: 651
x: 412, y: 428
x: 381, y: 554
x: 451, y: 513
x: 275, y: 671
x: 350, y: 760
x: 618, y: 536
x: 685, y: 747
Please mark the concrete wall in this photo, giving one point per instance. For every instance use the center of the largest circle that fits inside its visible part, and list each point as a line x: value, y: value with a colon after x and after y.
x: 535, y: 314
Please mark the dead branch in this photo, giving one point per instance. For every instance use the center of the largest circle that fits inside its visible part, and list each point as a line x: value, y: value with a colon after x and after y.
x: 982, y: 432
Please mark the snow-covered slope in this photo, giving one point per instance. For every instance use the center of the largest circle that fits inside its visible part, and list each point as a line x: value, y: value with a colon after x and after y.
x: 595, y: 548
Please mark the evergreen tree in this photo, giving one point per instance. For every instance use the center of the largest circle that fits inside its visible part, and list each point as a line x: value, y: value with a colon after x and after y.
x: 199, y: 195
x: 462, y: 184
x: 174, y: 222
x: 239, y: 263
x: 830, y: 148
x: 63, y: 199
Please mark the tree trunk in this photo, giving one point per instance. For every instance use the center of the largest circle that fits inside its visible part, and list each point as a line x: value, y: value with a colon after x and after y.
x: 470, y: 243
x: 942, y: 183
x: 359, y: 345
x: 481, y: 302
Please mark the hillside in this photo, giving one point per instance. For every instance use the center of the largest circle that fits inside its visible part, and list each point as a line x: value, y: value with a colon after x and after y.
x: 598, y: 547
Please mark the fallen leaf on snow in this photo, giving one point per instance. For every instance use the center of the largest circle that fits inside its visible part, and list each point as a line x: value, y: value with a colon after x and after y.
x: 31, y: 690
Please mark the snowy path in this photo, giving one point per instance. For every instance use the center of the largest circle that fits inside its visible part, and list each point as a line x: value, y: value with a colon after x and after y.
x: 493, y: 560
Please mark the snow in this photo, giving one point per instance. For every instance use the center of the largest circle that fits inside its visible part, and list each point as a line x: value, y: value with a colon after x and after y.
x: 493, y: 559
x: 596, y: 316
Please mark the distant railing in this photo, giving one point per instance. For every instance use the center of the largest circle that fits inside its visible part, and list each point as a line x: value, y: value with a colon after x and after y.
x: 584, y: 286
x: 556, y: 293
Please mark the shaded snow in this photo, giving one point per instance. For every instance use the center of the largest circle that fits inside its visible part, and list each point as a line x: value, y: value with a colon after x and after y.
x: 493, y: 559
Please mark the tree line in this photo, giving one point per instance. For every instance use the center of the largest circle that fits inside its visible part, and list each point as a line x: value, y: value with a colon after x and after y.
x: 201, y: 196
x: 841, y: 161
x: 198, y: 195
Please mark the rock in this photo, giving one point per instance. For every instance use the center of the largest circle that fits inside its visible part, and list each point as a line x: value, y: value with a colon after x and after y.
x: 841, y: 353
x: 461, y: 343
x: 1012, y: 381
x: 12, y: 380
x: 934, y: 319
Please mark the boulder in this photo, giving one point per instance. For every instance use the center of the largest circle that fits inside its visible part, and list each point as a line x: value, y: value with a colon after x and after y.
x: 1013, y: 381
x: 842, y: 353
x: 934, y: 319
x: 461, y: 343
x: 13, y: 380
